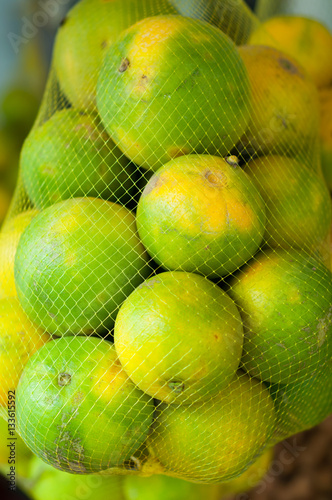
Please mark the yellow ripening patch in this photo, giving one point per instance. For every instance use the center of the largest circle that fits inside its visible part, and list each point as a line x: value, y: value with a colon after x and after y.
x: 197, y: 205
x: 240, y: 215
x: 148, y: 46
x: 107, y: 382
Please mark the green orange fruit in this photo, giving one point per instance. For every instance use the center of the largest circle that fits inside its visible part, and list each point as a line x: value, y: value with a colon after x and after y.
x: 284, y: 298
x: 298, y: 205
x: 305, y: 403
x: 9, y: 238
x: 163, y: 487
x: 75, y: 264
x: 326, y: 134
x: 77, y: 409
x: 48, y: 483
x: 19, y: 340
x: 306, y: 40
x: 71, y: 155
x: 233, y: 18
x: 285, y: 107
x: 201, y: 213
x: 171, y: 85
x: 179, y: 337
x: 215, y: 440
x: 84, y: 36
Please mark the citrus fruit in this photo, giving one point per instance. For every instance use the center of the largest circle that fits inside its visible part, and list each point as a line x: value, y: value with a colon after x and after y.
x: 250, y: 478
x: 326, y: 134
x: 171, y: 85
x: 200, y: 213
x: 163, y: 487
x: 9, y: 238
x: 306, y: 40
x: 215, y: 440
x: 172, y: 488
x: 70, y: 155
x: 76, y: 408
x: 285, y: 107
x: 298, y: 204
x: 304, y: 403
x: 49, y: 483
x: 179, y: 337
x: 19, y: 339
x: 284, y: 298
x: 234, y: 18
x: 75, y: 264
x: 84, y: 36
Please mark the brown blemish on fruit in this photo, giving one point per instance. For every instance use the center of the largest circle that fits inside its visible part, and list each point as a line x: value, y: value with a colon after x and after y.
x: 289, y: 66
x: 63, y: 22
x: 64, y: 379
x: 124, y: 65
x: 104, y: 44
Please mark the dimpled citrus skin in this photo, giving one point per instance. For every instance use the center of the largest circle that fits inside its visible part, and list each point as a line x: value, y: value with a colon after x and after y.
x: 201, y: 214
x: 71, y: 155
x: 306, y: 40
x: 284, y: 297
x: 179, y: 337
x: 218, y: 439
x: 83, y: 38
x: 77, y: 409
x: 76, y: 263
x: 164, y: 90
x: 285, y: 105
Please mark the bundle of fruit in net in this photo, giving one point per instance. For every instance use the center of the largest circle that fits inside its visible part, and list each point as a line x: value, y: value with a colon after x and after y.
x: 165, y: 282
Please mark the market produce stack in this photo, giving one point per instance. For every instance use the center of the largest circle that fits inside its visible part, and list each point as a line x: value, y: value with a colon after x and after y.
x: 169, y: 245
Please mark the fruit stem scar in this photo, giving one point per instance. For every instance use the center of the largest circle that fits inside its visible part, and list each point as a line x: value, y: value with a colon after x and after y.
x: 232, y: 160
x: 211, y: 177
x: 176, y: 387
x: 64, y: 379
x: 124, y: 65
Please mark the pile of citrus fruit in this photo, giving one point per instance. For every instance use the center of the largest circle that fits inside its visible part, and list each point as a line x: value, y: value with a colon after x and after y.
x: 171, y: 269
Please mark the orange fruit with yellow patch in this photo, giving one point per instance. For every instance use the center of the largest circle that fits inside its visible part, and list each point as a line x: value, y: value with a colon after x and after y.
x: 170, y: 86
x: 326, y: 134
x: 306, y: 40
x: 298, y: 205
x: 9, y: 238
x: 284, y: 298
x: 77, y: 409
x: 201, y: 213
x: 75, y: 264
x: 179, y: 337
x: 85, y: 35
x: 215, y: 440
x: 19, y: 339
x: 285, y: 107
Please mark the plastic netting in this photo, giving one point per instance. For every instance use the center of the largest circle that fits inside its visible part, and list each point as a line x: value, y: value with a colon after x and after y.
x: 165, y: 284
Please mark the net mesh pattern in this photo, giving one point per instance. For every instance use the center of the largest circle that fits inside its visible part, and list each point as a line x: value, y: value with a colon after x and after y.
x: 165, y: 296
